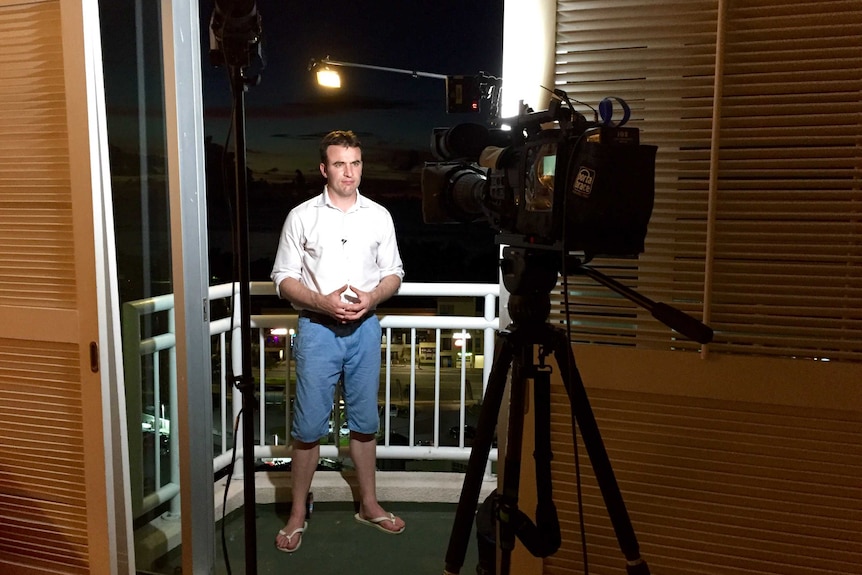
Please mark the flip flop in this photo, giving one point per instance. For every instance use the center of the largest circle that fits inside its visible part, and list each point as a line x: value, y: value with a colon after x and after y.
x: 298, y: 531
x: 377, y: 523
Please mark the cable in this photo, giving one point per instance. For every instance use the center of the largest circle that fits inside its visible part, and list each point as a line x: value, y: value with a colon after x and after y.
x: 224, y: 499
x: 567, y: 319
x: 564, y: 97
x: 230, y: 375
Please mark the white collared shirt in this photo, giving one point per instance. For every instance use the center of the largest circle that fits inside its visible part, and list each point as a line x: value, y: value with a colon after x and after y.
x: 325, y: 248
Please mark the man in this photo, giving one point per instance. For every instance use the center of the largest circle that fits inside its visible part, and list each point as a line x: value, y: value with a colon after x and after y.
x: 337, y: 260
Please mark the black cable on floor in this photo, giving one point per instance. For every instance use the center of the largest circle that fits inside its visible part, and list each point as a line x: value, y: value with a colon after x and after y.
x: 224, y: 500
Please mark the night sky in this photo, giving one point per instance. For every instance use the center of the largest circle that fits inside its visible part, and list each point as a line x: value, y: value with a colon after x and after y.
x: 394, y: 115
x: 286, y: 114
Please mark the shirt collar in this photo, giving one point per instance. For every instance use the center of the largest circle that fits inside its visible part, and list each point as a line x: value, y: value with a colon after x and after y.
x: 323, y: 200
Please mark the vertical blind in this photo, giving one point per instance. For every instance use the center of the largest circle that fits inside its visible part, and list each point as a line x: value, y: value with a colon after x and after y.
x: 756, y: 109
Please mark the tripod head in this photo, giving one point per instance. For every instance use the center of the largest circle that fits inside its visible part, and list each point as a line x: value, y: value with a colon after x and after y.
x: 530, y: 273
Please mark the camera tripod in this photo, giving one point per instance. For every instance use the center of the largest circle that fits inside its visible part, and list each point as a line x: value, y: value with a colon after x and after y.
x: 530, y: 275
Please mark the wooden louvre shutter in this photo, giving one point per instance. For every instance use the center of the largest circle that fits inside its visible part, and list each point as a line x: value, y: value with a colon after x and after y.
x: 53, y: 510
x: 712, y: 486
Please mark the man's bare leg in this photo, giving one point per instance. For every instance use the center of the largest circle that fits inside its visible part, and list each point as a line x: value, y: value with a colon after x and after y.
x: 363, y: 452
x: 306, y: 457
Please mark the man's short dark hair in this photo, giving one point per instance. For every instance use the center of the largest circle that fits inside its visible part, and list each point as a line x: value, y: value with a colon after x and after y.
x: 338, y: 138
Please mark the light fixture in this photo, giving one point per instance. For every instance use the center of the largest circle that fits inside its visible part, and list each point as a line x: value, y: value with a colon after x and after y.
x: 328, y: 78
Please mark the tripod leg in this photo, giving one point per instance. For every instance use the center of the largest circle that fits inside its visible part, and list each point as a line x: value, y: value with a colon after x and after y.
x: 507, y: 513
x: 541, y: 538
x: 595, y: 447
x: 547, y: 536
x: 486, y: 427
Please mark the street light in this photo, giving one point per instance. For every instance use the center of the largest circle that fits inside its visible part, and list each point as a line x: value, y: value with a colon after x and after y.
x: 322, y: 67
x: 328, y: 78
x: 463, y: 93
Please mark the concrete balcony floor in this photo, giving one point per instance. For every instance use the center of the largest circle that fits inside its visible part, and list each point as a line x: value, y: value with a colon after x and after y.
x: 334, y: 542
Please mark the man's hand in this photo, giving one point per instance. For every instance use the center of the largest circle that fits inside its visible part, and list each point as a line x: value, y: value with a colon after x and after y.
x: 346, y: 304
x: 358, y: 302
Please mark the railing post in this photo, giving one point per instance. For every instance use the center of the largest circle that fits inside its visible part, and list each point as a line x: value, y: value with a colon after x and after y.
x: 236, y: 371
x: 134, y: 408
x: 288, y: 356
x: 174, y: 415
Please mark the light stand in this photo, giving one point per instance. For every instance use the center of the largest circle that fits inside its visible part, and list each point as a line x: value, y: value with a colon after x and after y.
x: 529, y: 274
x: 236, y: 35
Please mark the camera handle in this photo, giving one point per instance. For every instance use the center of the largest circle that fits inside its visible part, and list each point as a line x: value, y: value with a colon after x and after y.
x: 668, y: 315
x: 529, y: 274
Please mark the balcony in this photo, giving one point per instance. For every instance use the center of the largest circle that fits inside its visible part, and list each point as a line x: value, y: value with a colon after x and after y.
x: 336, y: 544
x: 433, y: 376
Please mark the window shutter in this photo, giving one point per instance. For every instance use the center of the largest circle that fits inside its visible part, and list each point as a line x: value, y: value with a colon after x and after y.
x: 53, y: 488
x: 756, y: 227
x: 729, y: 462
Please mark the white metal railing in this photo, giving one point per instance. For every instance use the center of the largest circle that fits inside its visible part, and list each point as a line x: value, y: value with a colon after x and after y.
x: 414, y: 413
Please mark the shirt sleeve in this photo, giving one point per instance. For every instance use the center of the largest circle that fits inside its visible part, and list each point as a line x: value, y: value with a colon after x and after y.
x: 288, y: 257
x: 388, y: 257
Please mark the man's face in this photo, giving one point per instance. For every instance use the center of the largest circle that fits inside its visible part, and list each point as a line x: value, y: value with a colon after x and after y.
x: 343, y: 170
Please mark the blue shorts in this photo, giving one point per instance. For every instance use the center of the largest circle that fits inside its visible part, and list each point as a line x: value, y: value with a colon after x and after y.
x: 324, y: 354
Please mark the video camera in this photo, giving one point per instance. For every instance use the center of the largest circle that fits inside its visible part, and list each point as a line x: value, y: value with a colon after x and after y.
x: 554, y: 180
